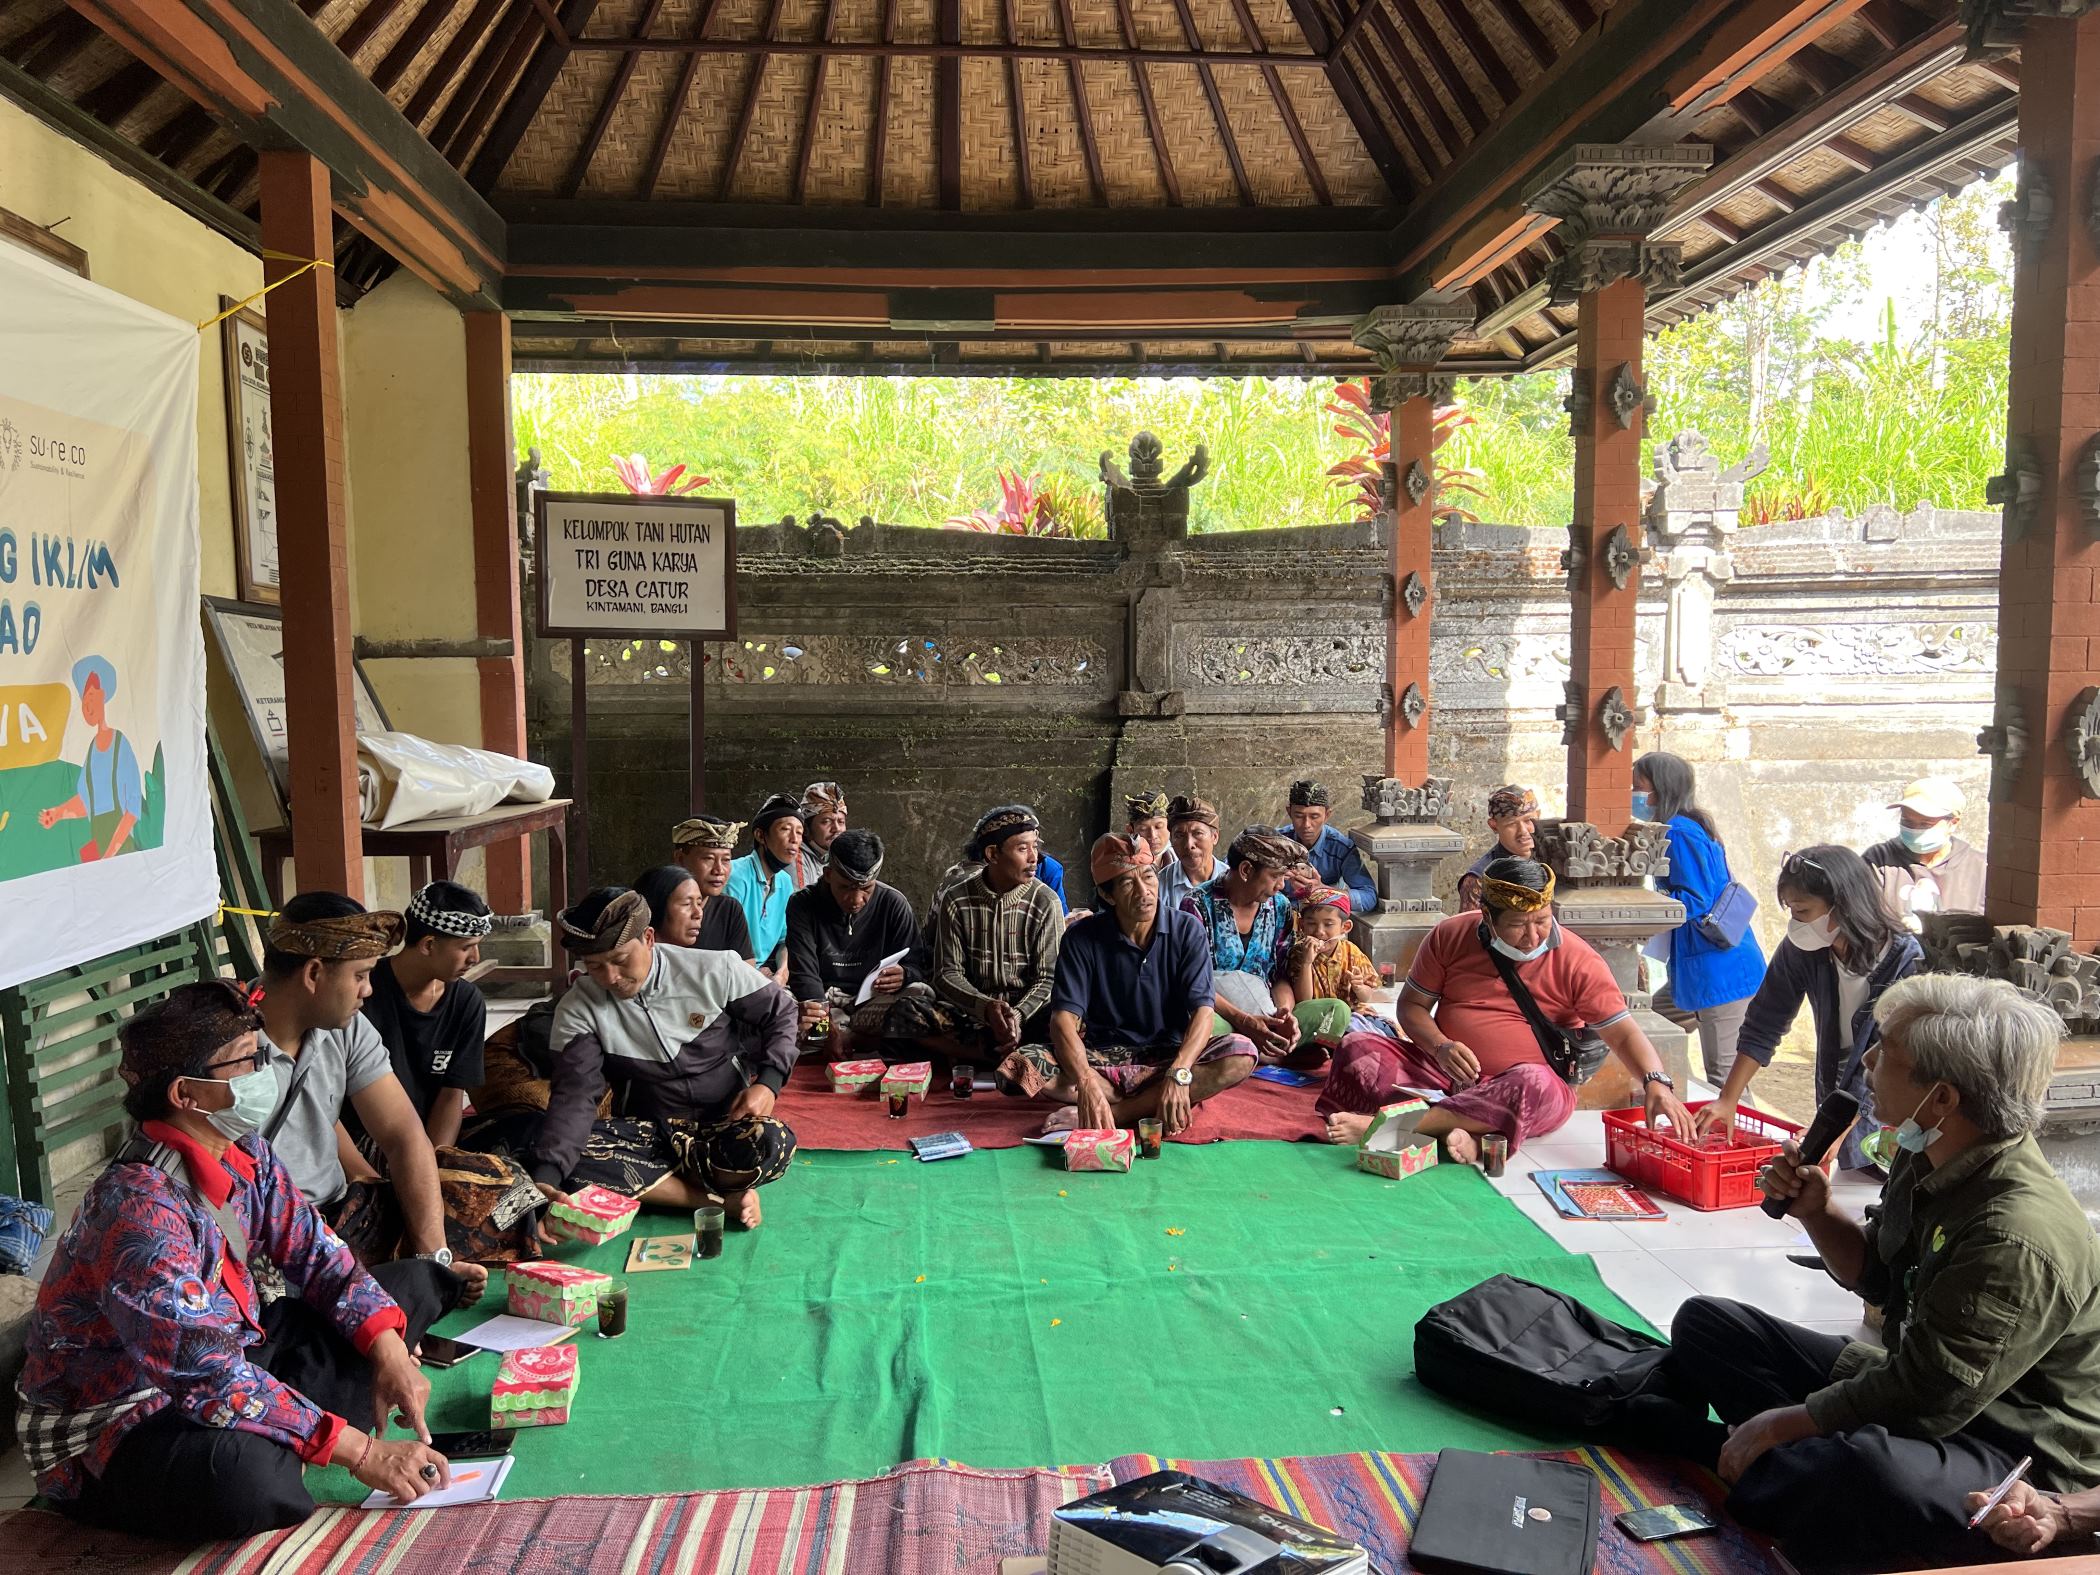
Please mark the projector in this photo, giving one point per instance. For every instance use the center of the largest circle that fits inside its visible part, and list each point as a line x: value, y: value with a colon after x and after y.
x: 1172, y: 1523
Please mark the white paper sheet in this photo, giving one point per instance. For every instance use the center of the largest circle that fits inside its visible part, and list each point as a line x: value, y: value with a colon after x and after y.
x: 867, y: 985
x: 473, y: 1482
x: 507, y: 1333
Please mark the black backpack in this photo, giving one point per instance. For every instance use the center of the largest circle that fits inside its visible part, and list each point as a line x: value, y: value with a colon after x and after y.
x: 1540, y: 1357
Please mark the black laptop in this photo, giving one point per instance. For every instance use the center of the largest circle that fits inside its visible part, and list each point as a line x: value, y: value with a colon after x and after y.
x: 1507, y: 1515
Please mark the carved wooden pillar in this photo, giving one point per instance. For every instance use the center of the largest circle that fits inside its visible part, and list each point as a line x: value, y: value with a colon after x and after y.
x: 306, y: 422
x: 1409, y: 341
x: 1608, y: 200
x: 2045, y: 815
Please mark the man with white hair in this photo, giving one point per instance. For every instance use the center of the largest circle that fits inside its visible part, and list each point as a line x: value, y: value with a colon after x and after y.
x: 1987, y: 1274
x: 1925, y: 867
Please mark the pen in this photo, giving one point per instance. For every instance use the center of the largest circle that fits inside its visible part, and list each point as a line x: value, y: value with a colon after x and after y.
x: 1998, y: 1493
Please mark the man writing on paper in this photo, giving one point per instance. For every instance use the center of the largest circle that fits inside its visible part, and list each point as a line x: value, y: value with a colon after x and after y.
x: 162, y: 1394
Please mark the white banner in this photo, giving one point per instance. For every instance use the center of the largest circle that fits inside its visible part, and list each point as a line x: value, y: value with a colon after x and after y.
x: 105, y: 816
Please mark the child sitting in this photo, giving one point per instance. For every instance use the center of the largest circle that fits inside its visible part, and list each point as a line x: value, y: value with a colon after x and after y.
x: 1328, y: 972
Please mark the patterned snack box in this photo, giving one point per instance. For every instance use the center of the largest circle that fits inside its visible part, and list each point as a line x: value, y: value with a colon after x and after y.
x: 909, y: 1077
x: 535, y: 1387
x: 856, y: 1077
x: 1092, y: 1149
x: 559, y: 1293
x: 1390, y: 1148
x: 593, y: 1214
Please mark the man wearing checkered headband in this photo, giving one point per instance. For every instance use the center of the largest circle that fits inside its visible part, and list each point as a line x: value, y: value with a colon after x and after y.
x: 430, y: 1016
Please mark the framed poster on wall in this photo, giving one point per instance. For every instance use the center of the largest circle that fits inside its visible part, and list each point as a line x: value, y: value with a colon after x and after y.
x: 251, y: 451
x: 251, y: 641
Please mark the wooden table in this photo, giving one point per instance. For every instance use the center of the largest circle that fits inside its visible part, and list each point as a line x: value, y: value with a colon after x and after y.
x: 433, y: 849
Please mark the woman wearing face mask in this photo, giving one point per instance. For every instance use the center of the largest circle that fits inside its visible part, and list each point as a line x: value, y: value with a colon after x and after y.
x: 1843, y: 948
x: 1710, y: 983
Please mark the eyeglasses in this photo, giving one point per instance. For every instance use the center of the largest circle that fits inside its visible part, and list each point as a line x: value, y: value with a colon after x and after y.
x: 1801, y: 861
x: 242, y: 1064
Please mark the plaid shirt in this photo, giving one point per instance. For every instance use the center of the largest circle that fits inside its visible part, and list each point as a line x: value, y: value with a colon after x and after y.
x: 1000, y: 946
x: 145, y: 1306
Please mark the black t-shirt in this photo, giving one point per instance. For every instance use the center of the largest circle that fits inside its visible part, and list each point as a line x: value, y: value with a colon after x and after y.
x: 723, y: 927
x: 430, y: 1050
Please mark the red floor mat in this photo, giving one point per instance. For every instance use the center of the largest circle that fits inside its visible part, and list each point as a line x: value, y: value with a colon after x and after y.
x: 822, y: 1119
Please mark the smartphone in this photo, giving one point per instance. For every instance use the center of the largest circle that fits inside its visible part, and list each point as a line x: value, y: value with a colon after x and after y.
x: 472, y: 1446
x: 441, y: 1352
x: 1668, y: 1520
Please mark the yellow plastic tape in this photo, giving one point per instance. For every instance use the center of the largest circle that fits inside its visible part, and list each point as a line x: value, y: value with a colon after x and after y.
x: 309, y: 264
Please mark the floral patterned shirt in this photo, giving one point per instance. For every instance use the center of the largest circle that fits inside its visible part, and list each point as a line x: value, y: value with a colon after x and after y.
x: 1260, y: 950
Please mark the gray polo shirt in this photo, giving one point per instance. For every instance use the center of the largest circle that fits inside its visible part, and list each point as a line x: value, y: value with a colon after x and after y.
x: 333, y: 1064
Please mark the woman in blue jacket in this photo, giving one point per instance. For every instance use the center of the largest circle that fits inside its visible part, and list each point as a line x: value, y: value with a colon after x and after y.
x: 1843, y: 947
x: 1709, y: 983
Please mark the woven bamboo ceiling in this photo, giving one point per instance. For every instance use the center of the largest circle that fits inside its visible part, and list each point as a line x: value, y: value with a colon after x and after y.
x: 999, y: 185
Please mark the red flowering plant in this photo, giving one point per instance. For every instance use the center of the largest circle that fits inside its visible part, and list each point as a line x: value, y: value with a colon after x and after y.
x: 635, y: 475
x: 1032, y: 506
x: 1365, y: 469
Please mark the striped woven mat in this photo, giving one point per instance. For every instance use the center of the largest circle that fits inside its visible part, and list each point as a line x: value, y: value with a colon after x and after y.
x: 929, y: 1517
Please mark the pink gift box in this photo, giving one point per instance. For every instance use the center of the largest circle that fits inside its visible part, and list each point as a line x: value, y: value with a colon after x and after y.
x: 559, y: 1293
x: 856, y: 1077
x: 1391, y: 1148
x: 908, y: 1077
x: 535, y: 1387
x: 595, y: 1215
x: 1093, y: 1149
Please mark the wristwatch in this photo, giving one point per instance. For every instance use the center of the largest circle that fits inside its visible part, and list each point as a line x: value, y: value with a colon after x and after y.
x: 442, y: 1257
x: 1181, y: 1077
x: 1663, y: 1078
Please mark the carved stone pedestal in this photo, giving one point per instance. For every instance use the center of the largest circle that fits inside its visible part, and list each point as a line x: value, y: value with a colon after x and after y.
x: 1405, y: 847
x: 1618, y: 921
x: 2070, y: 1133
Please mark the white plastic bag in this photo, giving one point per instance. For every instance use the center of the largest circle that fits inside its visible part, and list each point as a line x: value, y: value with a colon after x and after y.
x: 407, y: 778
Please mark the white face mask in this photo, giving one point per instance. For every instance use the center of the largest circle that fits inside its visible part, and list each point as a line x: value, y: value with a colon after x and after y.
x: 254, y: 1098
x: 1514, y: 955
x: 1810, y: 935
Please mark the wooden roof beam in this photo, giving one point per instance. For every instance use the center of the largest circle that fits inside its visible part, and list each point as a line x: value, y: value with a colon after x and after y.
x: 1209, y: 83
x: 530, y: 92
x: 674, y: 107
x: 1922, y: 110
x: 374, y: 15
x: 275, y: 78
x: 1398, y: 47
x: 1089, y: 145
x: 741, y: 129
x: 1462, y: 22
x: 503, y: 50
x: 394, y: 64
x: 455, y: 54
x: 1350, y: 94
x: 941, y: 50
x: 1457, y: 87
x: 1251, y: 33
x: 1162, y: 155
x: 1533, y: 37
x: 1761, y: 51
x: 608, y: 106
x: 815, y: 105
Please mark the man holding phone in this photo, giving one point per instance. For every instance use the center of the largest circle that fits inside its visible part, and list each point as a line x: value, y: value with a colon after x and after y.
x: 161, y: 1394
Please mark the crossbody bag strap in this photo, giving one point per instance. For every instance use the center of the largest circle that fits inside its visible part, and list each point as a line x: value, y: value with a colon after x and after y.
x: 142, y: 1150
x: 1553, y: 1040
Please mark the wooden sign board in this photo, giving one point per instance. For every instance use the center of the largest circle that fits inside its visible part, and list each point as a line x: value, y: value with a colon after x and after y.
x: 611, y: 564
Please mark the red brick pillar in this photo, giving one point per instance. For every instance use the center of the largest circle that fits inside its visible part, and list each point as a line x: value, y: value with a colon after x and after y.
x: 1409, y: 341
x: 2045, y: 815
x: 493, y: 500
x: 1608, y: 198
x: 306, y: 423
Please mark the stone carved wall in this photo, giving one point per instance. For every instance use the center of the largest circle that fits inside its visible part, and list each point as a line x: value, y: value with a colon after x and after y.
x: 1067, y: 672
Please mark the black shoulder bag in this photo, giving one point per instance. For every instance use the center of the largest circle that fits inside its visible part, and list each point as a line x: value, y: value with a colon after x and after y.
x: 1575, y: 1053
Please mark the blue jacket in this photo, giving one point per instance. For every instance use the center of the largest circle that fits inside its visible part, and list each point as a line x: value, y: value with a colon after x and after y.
x: 1795, y: 976
x: 1339, y: 864
x: 1701, y: 973
x: 1052, y: 874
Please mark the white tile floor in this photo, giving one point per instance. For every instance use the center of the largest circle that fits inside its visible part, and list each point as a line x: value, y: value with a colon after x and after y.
x: 1656, y: 1266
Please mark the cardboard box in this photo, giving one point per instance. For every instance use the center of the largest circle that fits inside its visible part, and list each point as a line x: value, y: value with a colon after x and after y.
x: 1091, y: 1149
x: 535, y: 1387
x: 856, y: 1077
x: 1390, y: 1148
x: 560, y: 1293
x: 595, y: 1215
x: 908, y: 1077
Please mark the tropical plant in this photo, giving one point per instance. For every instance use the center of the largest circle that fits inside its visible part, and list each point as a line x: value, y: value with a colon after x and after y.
x: 1027, y: 506
x: 1371, y: 430
x: 636, y: 477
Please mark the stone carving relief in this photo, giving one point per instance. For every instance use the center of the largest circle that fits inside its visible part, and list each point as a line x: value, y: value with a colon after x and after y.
x: 2019, y: 491
x: 2082, y: 738
x: 1414, y: 705
x: 1416, y: 481
x: 1616, y: 717
x: 1994, y: 26
x: 1621, y: 557
x: 1576, y: 402
x: 1414, y: 594
x: 1141, y: 500
x: 1860, y: 650
x: 1290, y: 659
x: 1628, y: 394
x: 1608, y: 198
x: 1409, y: 341
x: 1501, y: 659
x: 1581, y: 855
x: 845, y: 660
x: 2030, y: 213
x: 1692, y: 516
x: 2005, y: 741
x: 2085, y: 480
x: 1572, y: 712
x: 1393, y: 801
x: 2040, y: 963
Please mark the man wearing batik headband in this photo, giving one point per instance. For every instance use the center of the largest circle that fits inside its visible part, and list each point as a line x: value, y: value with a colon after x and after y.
x: 1131, y: 1030
x: 705, y: 847
x: 850, y: 925
x: 823, y: 813
x: 326, y: 1058
x: 428, y: 1013
x: 1467, y: 1037
x: 1147, y: 811
x: 694, y: 1046
x: 763, y: 880
x: 164, y: 1393
x: 1192, y: 842
x: 1513, y: 816
x: 1330, y: 850
x: 995, y: 937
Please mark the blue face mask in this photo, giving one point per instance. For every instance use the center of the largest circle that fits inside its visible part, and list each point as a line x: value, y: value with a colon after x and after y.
x: 1643, y: 805
x: 1912, y: 1138
x: 254, y: 1097
x: 1514, y: 955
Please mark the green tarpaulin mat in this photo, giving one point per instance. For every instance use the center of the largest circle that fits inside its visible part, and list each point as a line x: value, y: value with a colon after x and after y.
x: 1240, y: 1299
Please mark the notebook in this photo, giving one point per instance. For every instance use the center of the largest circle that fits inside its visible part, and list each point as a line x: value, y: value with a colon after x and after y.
x: 1507, y: 1515
x: 473, y: 1482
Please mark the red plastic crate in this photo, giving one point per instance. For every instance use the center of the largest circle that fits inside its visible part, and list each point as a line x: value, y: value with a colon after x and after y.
x: 1711, y: 1177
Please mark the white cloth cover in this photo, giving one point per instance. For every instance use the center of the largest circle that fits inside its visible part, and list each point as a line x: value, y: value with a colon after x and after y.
x: 404, y: 778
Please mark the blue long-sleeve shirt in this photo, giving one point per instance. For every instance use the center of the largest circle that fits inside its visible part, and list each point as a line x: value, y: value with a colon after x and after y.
x: 1701, y: 973
x: 1339, y: 864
